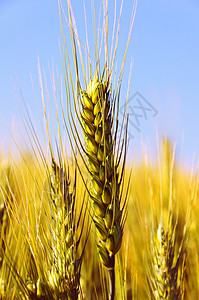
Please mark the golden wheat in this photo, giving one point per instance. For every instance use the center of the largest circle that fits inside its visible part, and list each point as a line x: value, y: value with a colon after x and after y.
x: 167, y: 276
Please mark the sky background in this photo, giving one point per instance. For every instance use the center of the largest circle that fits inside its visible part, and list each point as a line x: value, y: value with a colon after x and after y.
x: 165, y: 78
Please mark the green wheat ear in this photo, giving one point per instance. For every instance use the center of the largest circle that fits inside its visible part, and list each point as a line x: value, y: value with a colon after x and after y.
x: 97, y: 124
x: 64, y: 277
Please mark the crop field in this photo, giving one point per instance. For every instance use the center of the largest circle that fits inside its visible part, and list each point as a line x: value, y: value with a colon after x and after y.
x: 77, y: 219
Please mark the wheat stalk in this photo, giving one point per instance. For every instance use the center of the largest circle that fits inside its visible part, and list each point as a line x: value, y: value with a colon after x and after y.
x: 167, y: 275
x: 65, y: 273
x: 3, y: 228
x: 168, y: 249
x: 97, y: 123
x: 97, y: 110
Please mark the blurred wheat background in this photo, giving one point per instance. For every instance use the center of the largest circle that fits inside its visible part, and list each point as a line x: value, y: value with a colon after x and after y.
x: 162, y: 196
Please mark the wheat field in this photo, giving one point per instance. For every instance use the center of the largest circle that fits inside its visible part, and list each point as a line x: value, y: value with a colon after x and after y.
x: 158, y: 258
x: 85, y: 223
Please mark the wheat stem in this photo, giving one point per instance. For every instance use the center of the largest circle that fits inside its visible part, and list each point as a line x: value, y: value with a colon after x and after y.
x: 112, y: 278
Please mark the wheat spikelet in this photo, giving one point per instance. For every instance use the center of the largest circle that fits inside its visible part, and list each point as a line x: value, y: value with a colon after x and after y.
x: 65, y: 273
x: 166, y: 278
x: 97, y: 124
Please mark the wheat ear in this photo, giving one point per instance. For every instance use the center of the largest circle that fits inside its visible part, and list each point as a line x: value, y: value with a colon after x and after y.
x: 65, y: 273
x: 97, y: 124
x: 166, y: 279
x: 98, y: 115
x: 61, y: 277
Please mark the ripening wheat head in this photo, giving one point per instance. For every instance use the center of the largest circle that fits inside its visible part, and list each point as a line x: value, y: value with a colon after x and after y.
x: 167, y: 276
x: 65, y: 273
x: 168, y: 247
x: 97, y: 123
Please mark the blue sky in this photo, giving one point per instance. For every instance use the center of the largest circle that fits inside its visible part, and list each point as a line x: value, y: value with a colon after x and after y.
x: 165, y: 51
